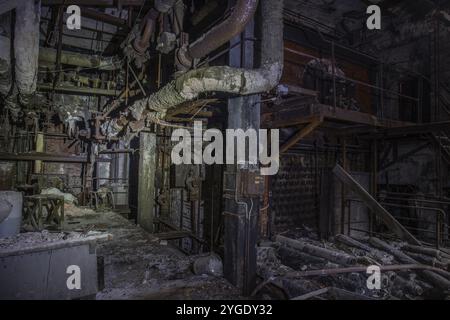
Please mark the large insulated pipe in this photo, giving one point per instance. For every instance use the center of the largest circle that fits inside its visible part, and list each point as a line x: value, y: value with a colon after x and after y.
x: 49, y: 55
x: 5, y: 54
x: 242, y: 13
x: 26, y: 47
x: 238, y: 81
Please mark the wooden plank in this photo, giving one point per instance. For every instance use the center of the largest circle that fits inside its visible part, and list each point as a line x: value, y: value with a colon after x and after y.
x: 373, y: 205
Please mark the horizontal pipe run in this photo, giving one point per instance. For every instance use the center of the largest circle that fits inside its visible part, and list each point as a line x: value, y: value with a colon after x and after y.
x: 49, y: 55
x: 225, y: 31
x: 33, y: 156
x: 79, y: 90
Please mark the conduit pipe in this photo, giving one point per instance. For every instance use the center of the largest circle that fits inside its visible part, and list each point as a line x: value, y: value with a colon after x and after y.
x: 242, y: 13
x: 221, y: 79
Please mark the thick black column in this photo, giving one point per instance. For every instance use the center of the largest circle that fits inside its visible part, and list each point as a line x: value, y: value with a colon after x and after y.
x: 241, y: 210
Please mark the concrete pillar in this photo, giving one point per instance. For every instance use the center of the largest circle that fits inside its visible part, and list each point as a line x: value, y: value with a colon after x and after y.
x: 146, y: 185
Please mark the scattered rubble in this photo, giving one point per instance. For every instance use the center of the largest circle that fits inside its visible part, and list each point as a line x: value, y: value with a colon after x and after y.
x: 300, y: 266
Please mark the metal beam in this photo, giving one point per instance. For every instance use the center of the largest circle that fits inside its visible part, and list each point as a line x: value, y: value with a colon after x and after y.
x: 412, y: 129
x: 107, y: 18
x: 374, y: 205
x: 300, y: 135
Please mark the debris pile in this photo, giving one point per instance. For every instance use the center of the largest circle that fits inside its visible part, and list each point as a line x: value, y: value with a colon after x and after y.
x: 306, y: 268
x: 29, y: 241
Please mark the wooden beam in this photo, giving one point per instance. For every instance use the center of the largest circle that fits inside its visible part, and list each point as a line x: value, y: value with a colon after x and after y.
x: 300, y: 135
x: 374, y: 205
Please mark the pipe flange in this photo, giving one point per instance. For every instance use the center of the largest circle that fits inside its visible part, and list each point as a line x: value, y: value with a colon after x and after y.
x: 139, y: 47
x: 183, y: 60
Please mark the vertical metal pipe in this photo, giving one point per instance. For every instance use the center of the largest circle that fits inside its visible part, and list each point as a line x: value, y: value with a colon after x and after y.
x: 39, y: 148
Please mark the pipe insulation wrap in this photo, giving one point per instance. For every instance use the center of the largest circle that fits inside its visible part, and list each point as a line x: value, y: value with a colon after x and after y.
x: 26, y: 47
x: 222, y: 33
x: 226, y: 79
x: 5, y: 54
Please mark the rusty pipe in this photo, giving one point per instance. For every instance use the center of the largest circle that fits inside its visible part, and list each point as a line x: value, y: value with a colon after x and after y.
x: 191, y: 84
x: 242, y: 13
x: 142, y: 41
x: 329, y: 272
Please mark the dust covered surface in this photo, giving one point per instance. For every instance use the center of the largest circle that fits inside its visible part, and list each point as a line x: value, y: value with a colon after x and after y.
x: 137, y: 266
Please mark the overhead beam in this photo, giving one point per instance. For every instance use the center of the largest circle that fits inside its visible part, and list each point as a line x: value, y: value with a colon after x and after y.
x: 301, y: 134
x: 374, y: 205
x: 411, y: 129
x: 107, y: 18
x: 79, y: 90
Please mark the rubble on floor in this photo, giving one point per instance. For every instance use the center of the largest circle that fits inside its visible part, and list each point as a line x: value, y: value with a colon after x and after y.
x: 137, y: 266
x: 298, y: 265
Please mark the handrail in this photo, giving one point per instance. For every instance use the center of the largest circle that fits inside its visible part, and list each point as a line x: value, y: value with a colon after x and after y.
x: 440, y: 216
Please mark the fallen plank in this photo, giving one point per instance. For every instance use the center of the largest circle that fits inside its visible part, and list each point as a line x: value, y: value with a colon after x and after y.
x: 352, y: 242
x: 312, y: 294
x: 331, y: 255
x: 373, y: 205
x: 435, y: 253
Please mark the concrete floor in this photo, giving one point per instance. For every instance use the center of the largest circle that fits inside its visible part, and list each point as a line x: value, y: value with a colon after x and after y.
x: 137, y: 266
